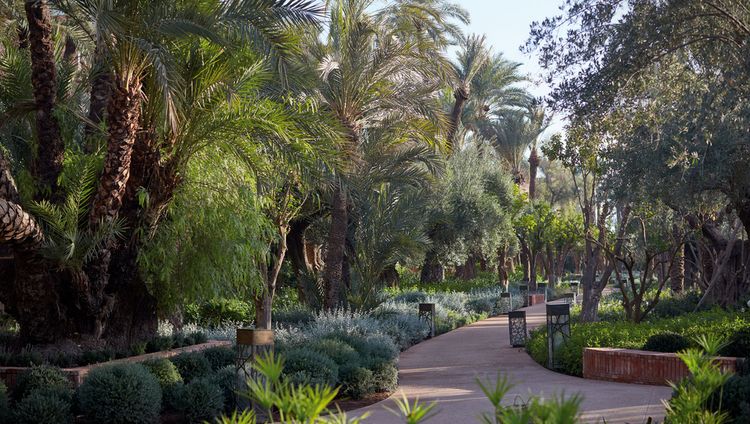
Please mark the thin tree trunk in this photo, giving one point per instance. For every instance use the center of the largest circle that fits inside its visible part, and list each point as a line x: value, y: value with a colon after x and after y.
x: 49, y: 160
x: 101, y: 89
x: 533, y: 166
x: 461, y: 95
x: 336, y: 243
x: 432, y: 270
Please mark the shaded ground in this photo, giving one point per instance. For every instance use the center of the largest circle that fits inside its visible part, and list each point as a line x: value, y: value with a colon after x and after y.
x: 444, y: 370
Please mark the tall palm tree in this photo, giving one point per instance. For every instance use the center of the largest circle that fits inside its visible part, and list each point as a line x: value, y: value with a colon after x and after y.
x: 369, y: 75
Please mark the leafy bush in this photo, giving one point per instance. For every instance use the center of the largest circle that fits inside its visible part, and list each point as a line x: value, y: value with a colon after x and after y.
x: 293, y: 317
x: 159, y: 343
x: 192, y: 365
x: 120, y: 394
x: 666, y: 342
x: 219, y: 312
x: 384, y: 376
x: 201, y: 400
x: 482, y: 305
x: 415, y: 296
x: 40, y: 377
x: 735, y: 398
x: 305, y: 366
x: 739, y: 344
x: 226, y: 378
x: 337, y: 350
x: 164, y: 370
x: 220, y: 357
x: 356, y: 381
x: 43, y: 406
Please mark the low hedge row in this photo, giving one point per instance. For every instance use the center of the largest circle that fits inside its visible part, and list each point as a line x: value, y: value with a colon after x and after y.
x: 198, y: 385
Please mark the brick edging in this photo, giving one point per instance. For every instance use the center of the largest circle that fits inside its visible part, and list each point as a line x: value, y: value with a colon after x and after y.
x: 76, y: 375
x: 639, y: 366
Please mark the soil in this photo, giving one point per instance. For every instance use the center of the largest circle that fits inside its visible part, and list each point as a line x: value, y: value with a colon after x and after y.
x: 352, y: 404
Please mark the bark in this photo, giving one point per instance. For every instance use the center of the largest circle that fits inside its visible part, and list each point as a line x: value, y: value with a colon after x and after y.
x: 502, y: 274
x: 101, y: 89
x: 432, y: 270
x: 461, y: 95
x: 390, y: 276
x: 533, y: 166
x: 333, y: 272
x: 123, y: 110
x: 49, y: 160
x: 524, y: 260
x: 467, y: 270
x: 677, y: 271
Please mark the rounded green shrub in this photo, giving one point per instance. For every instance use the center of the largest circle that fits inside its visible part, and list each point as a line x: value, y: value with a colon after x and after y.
x: 227, y: 379
x: 293, y: 317
x: 739, y: 344
x: 384, y: 376
x: 40, y: 377
x: 666, y: 342
x: 121, y: 394
x: 159, y: 343
x: 172, y: 396
x: 164, y: 370
x: 201, y: 400
x: 339, y: 351
x: 220, y: 357
x: 357, y: 382
x: 306, y: 366
x: 43, y: 406
x: 192, y: 365
x: 735, y: 399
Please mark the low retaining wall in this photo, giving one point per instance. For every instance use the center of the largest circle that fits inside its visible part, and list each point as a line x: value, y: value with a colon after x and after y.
x: 535, y: 299
x: 76, y: 375
x: 639, y: 366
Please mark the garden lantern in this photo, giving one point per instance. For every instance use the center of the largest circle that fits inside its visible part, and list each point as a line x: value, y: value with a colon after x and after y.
x: 252, y: 344
x: 542, y: 289
x: 505, y: 304
x: 524, y: 289
x: 427, y: 312
x: 574, y: 286
x: 558, y: 330
x: 517, y: 328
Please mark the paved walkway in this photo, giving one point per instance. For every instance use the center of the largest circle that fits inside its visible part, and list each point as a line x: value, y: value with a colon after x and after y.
x: 445, y: 369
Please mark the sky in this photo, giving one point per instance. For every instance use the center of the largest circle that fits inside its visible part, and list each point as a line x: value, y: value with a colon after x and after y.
x: 506, y: 24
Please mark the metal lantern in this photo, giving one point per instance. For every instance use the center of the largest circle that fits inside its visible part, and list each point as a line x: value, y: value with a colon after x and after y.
x: 505, y: 304
x: 427, y: 312
x: 252, y: 344
x: 574, y: 286
x: 517, y: 328
x: 558, y: 330
x: 524, y: 289
x: 541, y: 288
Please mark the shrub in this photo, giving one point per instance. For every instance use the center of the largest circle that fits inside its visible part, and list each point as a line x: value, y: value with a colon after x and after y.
x: 164, y: 370
x: 122, y: 393
x: 198, y: 337
x: 293, y: 317
x: 159, y: 343
x: 40, y: 377
x: 666, y: 342
x: 405, y: 330
x: 220, y: 357
x: 735, y: 398
x: 357, y: 382
x: 43, y: 406
x: 340, y: 352
x: 739, y: 344
x: 219, y: 312
x: 4, y: 407
x: 384, y: 376
x: 192, y: 365
x: 305, y: 366
x: 172, y: 396
x: 201, y: 400
x: 226, y: 378
x: 411, y: 297
x: 482, y: 305
x: 377, y: 347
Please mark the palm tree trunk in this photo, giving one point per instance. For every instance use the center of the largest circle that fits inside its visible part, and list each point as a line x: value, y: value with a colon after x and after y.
x: 101, y: 88
x: 533, y: 166
x: 123, y: 111
x: 461, y: 95
x: 50, y: 150
x: 335, y: 245
x: 432, y: 270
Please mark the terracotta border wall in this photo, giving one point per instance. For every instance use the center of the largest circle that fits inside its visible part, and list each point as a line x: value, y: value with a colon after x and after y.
x: 76, y: 375
x: 639, y: 366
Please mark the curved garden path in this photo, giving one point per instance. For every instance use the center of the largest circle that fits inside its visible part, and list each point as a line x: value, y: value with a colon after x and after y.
x: 444, y: 370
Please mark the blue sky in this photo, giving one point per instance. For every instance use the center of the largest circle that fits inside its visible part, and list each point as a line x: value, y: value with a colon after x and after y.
x: 506, y: 24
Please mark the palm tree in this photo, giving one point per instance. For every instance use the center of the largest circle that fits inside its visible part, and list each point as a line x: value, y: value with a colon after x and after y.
x: 368, y: 76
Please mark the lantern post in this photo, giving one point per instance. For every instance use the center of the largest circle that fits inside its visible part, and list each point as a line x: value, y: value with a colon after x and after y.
x: 524, y: 289
x: 505, y: 304
x: 558, y: 330
x: 251, y: 345
x: 517, y: 328
x: 427, y: 313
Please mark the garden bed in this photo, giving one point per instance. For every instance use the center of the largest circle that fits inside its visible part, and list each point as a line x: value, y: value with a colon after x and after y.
x: 76, y: 375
